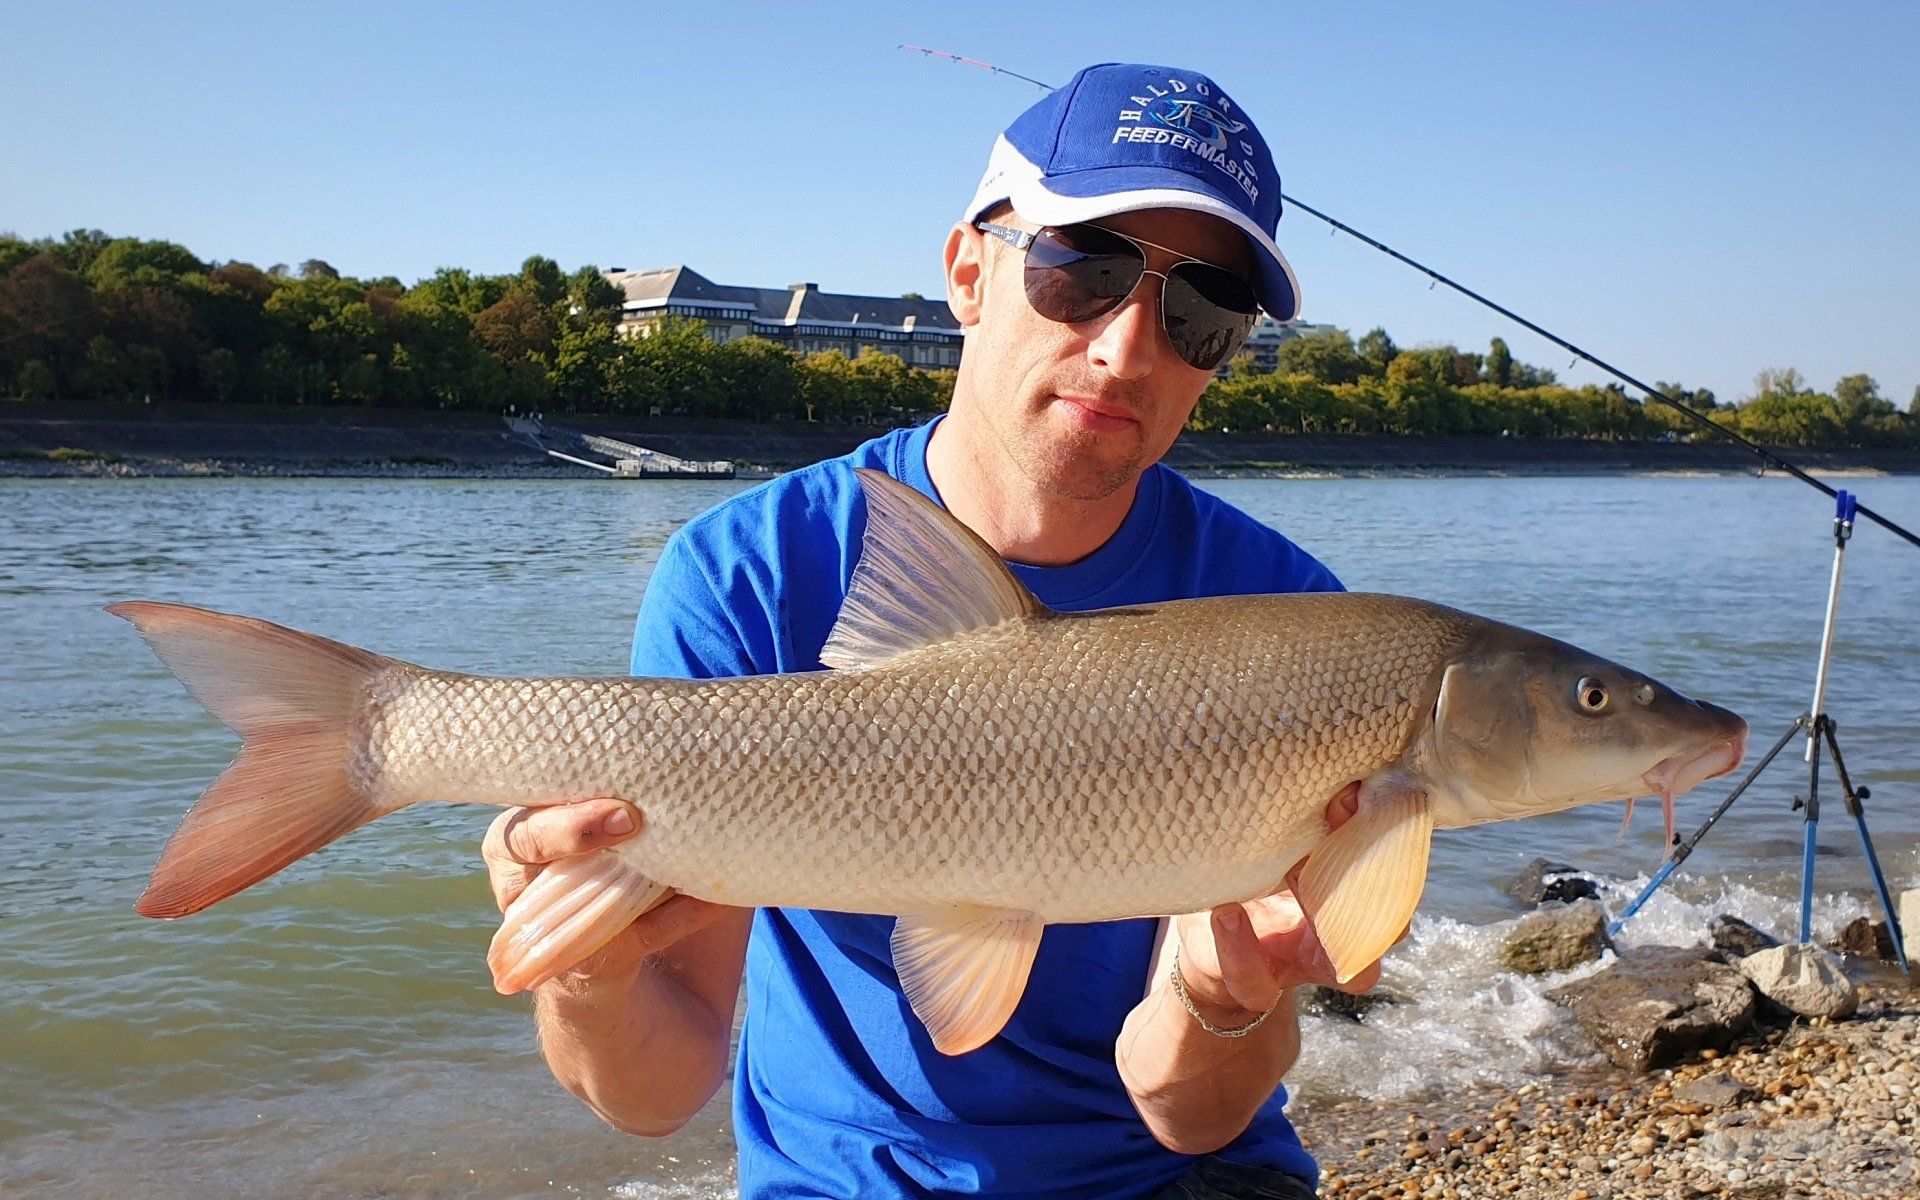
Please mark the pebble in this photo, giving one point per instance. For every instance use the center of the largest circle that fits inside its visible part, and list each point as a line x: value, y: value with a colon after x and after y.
x: 1816, y: 1111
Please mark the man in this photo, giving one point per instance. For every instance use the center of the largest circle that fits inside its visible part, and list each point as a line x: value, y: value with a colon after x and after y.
x: 1111, y: 259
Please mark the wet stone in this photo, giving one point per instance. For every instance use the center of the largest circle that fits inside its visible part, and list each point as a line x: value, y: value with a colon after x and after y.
x: 1737, y: 939
x: 1543, y: 881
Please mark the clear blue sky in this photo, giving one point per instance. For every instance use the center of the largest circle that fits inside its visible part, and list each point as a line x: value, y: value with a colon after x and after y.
x: 1695, y: 190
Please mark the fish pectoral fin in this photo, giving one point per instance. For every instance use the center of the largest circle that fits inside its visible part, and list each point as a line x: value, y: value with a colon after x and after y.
x: 572, y: 908
x: 964, y: 970
x: 1361, y: 885
x: 922, y: 577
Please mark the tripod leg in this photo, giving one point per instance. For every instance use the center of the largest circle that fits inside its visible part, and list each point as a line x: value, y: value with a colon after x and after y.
x: 1854, y: 798
x: 1812, y: 832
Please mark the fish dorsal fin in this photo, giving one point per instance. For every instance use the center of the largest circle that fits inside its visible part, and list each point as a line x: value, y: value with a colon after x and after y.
x: 1361, y: 885
x: 922, y: 577
x: 964, y: 970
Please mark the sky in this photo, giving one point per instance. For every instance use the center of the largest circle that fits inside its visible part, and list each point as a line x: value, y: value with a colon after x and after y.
x: 1694, y: 191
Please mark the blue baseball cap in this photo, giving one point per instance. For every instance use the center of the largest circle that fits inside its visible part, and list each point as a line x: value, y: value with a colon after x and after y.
x: 1121, y: 137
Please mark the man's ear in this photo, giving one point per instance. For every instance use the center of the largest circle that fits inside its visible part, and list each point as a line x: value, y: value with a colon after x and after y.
x: 966, y: 273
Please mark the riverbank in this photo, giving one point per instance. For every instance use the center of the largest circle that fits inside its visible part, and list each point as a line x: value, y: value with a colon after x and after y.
x: 207, y: 440
x: 1812, y: 1111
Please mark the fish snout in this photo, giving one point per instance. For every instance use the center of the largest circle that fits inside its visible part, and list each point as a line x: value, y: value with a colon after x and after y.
x: 1679, y: 773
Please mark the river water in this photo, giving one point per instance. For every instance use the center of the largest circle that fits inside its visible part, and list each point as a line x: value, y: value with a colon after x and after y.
x: 332, y: 1031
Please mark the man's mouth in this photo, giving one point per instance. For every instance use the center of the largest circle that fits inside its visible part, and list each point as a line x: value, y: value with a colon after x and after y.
x: 1096, y: 415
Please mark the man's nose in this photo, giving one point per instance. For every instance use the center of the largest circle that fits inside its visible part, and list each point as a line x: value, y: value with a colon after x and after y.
x: 1127, y: 344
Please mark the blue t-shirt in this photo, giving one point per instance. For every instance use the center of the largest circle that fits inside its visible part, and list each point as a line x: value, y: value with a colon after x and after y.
x: 838, y: 1090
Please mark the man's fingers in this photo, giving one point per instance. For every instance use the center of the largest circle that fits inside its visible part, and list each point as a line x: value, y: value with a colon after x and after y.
x: 534, y: 836
x: 521, y: 840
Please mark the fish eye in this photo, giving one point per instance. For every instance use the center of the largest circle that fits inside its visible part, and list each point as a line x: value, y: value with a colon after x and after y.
x: 1643, y: 695
x: 1591, y: 695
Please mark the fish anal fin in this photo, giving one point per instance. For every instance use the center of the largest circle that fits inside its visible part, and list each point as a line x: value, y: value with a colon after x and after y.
x: 571, y: 909
x: 1361, y: 885
x: 964, y: 969
x: 922, y: 577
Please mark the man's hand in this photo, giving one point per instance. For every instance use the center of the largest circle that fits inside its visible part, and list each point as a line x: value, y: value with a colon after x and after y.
x: 645, y: 1049
x: 1238, y: 959
x: 1196, y: 1091
x: 523, y: 840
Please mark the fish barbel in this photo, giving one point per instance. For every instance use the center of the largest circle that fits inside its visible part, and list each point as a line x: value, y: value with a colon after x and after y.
x: 975, y: 764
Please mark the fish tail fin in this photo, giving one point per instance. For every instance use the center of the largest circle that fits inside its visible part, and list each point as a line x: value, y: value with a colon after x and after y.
x: 295, y: 700
x: 572, y: 908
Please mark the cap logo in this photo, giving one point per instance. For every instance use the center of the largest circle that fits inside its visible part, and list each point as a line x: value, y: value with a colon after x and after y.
x: 1195, y: 118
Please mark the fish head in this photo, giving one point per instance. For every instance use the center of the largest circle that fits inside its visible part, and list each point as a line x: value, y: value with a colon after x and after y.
x: 1524, y: 724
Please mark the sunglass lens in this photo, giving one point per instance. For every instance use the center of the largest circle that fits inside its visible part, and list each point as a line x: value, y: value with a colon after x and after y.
x: 1080, y: 272
x: 1208, y: 313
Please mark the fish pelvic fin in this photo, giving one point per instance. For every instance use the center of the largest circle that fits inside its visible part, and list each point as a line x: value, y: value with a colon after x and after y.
x: 922, y: 577
x: 295, y: 700
x: 1361, y: 885
x: 964, y: 970
x: 571, y: 909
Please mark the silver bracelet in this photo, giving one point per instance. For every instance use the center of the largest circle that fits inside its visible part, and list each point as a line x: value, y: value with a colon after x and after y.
x: 1186, y: 1001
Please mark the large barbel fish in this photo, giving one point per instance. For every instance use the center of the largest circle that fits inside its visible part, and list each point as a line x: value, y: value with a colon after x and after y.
x: 975, y: 764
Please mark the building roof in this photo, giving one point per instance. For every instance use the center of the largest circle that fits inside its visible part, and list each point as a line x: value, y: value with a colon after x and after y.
x: 797, y: 304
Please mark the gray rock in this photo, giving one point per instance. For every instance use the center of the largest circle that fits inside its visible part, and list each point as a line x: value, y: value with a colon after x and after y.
x: 1864, y: 938
x: 1718, y: 1090
x: 1661, y: 1005
x: 1332, y: 1002
x: 1556, y: 938
x: 1737, y: 939
x: 1545, y: 882
x: 1804, y: 980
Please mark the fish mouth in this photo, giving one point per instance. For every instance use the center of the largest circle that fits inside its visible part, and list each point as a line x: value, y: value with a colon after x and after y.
x: 1679, y: 773
x: 1682, y: 772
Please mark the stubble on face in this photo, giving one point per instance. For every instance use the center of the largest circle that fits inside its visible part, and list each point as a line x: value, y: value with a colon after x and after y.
x: 1021, y: 376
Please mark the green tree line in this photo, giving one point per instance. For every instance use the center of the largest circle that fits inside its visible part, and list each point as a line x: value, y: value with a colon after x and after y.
x: 99, y: 318
x: 1329, y: 383
x: 93, y: 317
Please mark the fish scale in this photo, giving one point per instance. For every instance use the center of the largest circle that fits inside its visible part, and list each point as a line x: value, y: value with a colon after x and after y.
x: 1024, y: 766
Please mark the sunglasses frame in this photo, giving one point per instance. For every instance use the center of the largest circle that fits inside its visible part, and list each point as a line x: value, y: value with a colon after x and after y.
x: 1022, y: 240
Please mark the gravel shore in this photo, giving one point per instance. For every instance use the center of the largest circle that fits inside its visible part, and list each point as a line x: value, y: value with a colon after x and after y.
x: 1804, y: 1112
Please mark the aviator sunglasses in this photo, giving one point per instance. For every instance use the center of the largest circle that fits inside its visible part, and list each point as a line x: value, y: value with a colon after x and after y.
x: 1078, y: 272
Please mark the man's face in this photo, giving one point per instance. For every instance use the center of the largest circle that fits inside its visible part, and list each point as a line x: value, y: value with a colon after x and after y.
x: 1083, y: 409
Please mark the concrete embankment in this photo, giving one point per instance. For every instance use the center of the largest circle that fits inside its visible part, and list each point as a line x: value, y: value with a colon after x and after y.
x: 214, y: 440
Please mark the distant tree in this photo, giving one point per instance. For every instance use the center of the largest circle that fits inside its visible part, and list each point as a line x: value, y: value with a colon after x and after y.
x: 34, y: 381
x: 315, y: 268
x: 911, y: 296
x: 1328, y: 356
x: 244, y: 278
x: 1781, y: 382
x: 542, y: 279
x: 1913, y: 405
x: 47, y: 315
x: 591, y: 292
x: 127, y: 262
x: 1245, y: 366
x: 514, y: 328
x: 1377, y: 351
x: 1498, y: 368
x: 79, y: 248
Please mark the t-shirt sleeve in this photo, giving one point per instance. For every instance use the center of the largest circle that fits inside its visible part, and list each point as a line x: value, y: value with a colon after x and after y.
x: 684, y: 631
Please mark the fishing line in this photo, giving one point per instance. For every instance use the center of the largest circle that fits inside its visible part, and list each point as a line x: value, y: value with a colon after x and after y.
x: 1435, y: 277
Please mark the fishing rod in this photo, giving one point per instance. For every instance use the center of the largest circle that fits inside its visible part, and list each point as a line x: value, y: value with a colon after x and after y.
x: 1767, y: 456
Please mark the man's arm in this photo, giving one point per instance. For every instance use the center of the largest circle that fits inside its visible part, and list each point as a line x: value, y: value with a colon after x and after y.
x: 1198, y: 1090
x: 639, y: 1032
